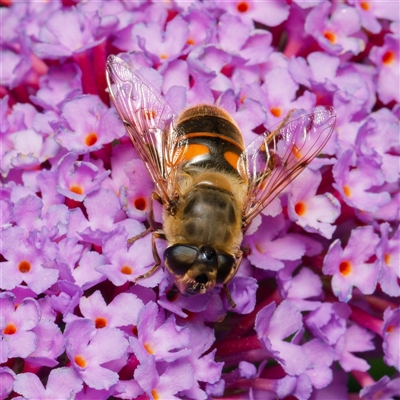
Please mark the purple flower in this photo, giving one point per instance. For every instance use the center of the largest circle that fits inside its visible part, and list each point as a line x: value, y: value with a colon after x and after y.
x: 121, y: 311
x: 88, y: 349
x: 314, y: 213
x: 328, y: 322
x: 387, y: 252
x: 78, y: 178
x: 334, y: 34
x: 204, y: 368
x: 271, y: 13
x: 369, y: 143
x: 386, y: 58
x: 50, y: 344
x: 371, y: 11
x: 135, y: 197
x: 269, y: 248
x: 355, y: 340
x: 27, y: 262
x: 62, y: 384
x: 305, y: 285
x: 16, y: 325
x: 81, y: 135
x: 85, y: 274
x: 354, y: 179
x: 391, y: 336
x: 103, y: 210
x: 160, y: 44
x: 177, y: 376
x: 58, y: 85
x: 76, y: 322
x: 382, y: 389
x: 55, y: 42
x: 157, y: 337
x: 240, y: 40
x: 350, y: 267
x: 123, y: 265
x: 7, y: 377
x: 273, y: 325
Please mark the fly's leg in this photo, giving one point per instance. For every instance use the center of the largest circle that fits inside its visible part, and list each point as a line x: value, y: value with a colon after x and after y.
x: 228, y: 296
x: 157, y: 259
x: 150, y: 219
x: 239, y: 256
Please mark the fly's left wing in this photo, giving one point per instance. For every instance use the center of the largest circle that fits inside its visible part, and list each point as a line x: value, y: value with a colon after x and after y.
x: 274, y: 159
x: 149, y: 121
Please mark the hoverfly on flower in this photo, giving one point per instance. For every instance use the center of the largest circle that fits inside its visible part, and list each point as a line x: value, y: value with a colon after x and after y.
x: 210, y: 185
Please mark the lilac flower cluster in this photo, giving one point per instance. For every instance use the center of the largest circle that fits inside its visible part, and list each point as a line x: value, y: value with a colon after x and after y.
x: 318, y: 290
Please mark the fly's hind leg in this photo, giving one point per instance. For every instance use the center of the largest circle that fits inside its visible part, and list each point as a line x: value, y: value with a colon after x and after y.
x: 150, y: 219
x: 157, y: 259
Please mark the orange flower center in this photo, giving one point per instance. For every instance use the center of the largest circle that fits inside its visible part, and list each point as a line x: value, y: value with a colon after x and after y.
x: 100, y: 322
x: 10, y: 329
x: 300, y: 208
x: 80, y: 361
x: 91, y: 139
x: 330, y: 36
x: 346, y: 190
x: 75, y: 188
x: 126, y: 270
x: 364, y: 5
x: 148, y: 348
x: 140, y: 203
x: 276, y: 111
x: 24, y: 266
x: 388, y: 57
x: 345, y: 268
x: 242, y: 7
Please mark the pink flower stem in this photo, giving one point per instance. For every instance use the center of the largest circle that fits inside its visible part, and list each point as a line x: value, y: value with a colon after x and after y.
x: 363, y: 378
x: 99, y: 62
x: 232, y: 346
x: 88, y: 77
x: 366, y: 320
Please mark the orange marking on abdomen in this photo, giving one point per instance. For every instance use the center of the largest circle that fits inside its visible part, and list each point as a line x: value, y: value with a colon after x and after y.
x: 194, y: 150
x: 215, y: 135
x: 232, y: 158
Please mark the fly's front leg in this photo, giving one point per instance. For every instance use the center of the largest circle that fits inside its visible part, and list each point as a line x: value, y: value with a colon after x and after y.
x: 228, y: 296
x: 150, y: 219
x: 239, y: 256
x: 157, y: 259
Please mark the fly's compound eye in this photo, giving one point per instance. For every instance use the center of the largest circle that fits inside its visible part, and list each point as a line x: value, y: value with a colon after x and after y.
x: 180, y: 257
x: 226, y: 262
x: 208, y: 256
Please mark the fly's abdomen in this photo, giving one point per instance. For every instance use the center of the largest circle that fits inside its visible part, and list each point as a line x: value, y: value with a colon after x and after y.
x: 212, y: 139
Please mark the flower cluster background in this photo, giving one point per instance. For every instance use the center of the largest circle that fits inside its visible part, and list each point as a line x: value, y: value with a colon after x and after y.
x: 317, y: 294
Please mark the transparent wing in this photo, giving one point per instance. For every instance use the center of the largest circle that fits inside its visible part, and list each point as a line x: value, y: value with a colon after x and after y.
x: 274, y: 159
x: 149, y: 121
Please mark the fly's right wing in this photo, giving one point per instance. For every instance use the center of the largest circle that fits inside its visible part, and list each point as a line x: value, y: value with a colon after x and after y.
x: 149, y: 121
x: 274, y: 159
